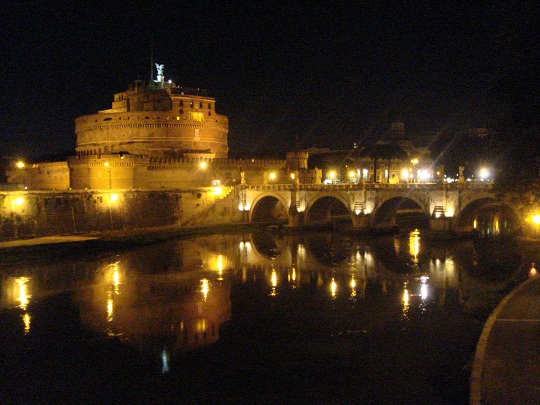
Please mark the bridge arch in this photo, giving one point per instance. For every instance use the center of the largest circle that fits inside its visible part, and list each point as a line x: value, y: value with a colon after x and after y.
x: 325, y: 208
x: 399, y: 210
x: 269, y: 207
x: 488, y: 216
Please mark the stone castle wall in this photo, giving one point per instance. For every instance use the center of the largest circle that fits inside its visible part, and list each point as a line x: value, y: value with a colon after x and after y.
x: 138, y: 172
x: 159, y: 133
x: 32, y: 213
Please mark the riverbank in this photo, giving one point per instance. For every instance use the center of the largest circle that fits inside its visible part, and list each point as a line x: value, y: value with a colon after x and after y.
x: 51, y: 248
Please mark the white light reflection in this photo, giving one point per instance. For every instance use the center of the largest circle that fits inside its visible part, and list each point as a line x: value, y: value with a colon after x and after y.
x: 424, y: 287
x: 165, y: 360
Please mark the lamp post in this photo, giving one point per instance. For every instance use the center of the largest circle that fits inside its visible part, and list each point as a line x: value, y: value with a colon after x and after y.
x: 108, y: 167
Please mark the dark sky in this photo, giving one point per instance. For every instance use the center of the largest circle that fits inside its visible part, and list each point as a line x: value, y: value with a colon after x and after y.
x: 299, y: 73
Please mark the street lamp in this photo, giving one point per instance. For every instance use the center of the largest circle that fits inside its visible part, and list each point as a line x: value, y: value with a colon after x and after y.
x: 108, y: 167
x: 484, y: 174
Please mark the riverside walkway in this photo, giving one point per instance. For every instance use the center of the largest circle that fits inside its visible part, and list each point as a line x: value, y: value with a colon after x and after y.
x: 506, y: 368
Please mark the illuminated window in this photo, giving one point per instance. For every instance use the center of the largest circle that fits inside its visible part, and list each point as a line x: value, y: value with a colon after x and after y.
x: 195, y: 116
x: 191, y: 104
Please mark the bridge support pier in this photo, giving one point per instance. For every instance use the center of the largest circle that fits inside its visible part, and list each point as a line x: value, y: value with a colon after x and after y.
x: 442, y: 224
x: 361, y: 221
x: 296, y: 218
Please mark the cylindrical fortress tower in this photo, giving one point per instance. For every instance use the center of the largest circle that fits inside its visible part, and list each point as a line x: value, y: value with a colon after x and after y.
x: 156, y: 120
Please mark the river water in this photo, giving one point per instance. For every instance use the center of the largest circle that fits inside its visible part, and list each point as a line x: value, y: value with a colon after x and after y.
x: 245, y: 318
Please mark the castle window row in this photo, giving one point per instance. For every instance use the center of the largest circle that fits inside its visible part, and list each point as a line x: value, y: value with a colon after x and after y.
x: 192, y: 104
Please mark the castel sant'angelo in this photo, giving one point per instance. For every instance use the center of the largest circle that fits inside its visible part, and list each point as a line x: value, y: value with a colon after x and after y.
x: 156, y: 135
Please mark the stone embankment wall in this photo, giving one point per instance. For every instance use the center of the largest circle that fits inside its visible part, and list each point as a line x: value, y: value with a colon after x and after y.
x: 26, y: 214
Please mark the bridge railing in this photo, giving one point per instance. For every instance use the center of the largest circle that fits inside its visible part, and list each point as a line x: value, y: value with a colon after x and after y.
x: 427, y: 186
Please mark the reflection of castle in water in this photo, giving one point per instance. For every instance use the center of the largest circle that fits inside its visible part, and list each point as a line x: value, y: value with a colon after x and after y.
x: 174, y: 297
x: 172, y: 312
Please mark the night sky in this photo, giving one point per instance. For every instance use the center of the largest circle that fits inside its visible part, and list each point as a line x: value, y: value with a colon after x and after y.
x: 297, y: 74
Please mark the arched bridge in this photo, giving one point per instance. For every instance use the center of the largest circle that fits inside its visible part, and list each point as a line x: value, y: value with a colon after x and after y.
x: 446, y: 206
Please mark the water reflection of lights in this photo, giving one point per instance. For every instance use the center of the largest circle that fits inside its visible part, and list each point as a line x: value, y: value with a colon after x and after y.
x: 333, y: 288
x: 273, y: 282
x: 112, y: 291
x: 110, y: 307
x: 405, y: 303
x: 205, y: 288
x: 26, y: 320
x: 414, y: 244
x: 405, y: 299
x: 292, y: 277
x: 353, y: 288
x: 424, y: 287
x: 23, y: 296
x: 165, y: 359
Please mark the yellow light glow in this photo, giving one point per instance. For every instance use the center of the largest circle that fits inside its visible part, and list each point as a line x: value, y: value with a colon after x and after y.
x: 106, y: 164
x: 114, y: 197
x: 273, y: 278
x: 332, y: 175
x: 24, y: 297
x: 414, y: 161
x: 18, y: 201
x: 405, y: 174
x: 200, y: 325
x: 405, y: 299
x: 292, y: 176
x: 197, y: 116
x: 110, y: 307
x: 273, y: 281
x: 352, y: 174
x: 205, y: 288
x: 203, y: 165
x: 26, y: 320
x: 414, y: 243
x: 333, y: 288
x: 293, y: 274
x: 217, y: 191
x: 484, y: 173
x: 536, y: 219
x: 20, y: 164
x: 272, y: 176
